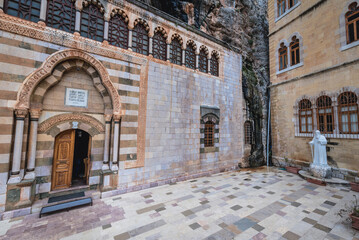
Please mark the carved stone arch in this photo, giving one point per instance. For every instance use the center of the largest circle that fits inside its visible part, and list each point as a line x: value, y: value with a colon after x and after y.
x: 97, y: 3
x: 48, y: 68
x: 161, y: 30
x: 86, y: 123
x: 192, y: 44
x: 143, y: 22
x: 215, y: 54
x: 312, y: 101
x: 177, y: 36
x: 120, y: 12
x: 205, y: 49
x: 210, y: 117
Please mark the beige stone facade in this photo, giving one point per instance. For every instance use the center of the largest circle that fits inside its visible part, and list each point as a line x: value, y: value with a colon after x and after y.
x: 328, y: 66
x: 145, y: 116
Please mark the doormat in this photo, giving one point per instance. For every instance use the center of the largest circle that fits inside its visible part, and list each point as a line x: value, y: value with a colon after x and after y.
x: 66, y: 197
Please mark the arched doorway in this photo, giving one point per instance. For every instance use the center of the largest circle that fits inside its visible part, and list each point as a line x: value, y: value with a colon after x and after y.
x: 71, y: 162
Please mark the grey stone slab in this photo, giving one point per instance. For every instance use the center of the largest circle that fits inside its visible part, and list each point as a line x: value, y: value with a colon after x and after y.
x: 150, y: 208
x: 146, y: 228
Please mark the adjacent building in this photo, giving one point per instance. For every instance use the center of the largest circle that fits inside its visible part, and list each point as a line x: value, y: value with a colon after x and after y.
x: 314, y: 72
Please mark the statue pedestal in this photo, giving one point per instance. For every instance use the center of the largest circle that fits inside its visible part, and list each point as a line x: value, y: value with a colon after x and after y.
x: 321, y: 171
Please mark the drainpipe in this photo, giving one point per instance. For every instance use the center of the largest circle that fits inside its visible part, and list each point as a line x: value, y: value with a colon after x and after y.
x: 268, y: 128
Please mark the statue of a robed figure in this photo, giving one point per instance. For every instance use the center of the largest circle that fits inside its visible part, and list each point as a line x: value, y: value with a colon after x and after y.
x: 319, y: 167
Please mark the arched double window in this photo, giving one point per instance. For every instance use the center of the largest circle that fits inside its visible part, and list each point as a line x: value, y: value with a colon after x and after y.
x: 61, y: 14
x: 294, y: 51
x: 190, y: 58
x: 202, y: 60
x: 214, y: 66
x: 159, y: 44
x: 176, y: 50
x: 352, y: 23
x: 305, y: 116
x: 25, y: 9
x: 283, y: 56
x: 92, y: 22
x: 140, y: 39
x: 248, y: 132
x: 209, y: 134
x: 118, y: 30
x: 348, y: 113
x: 325, y: 114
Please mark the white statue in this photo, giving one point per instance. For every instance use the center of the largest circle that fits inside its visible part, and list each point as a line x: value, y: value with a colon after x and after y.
x: 319, y: 167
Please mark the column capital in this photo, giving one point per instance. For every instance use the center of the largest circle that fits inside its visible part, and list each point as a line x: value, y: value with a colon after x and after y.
x: 21, y: 113
x: 117, y: 117
x: 108, y: 117
x: 35, y: 113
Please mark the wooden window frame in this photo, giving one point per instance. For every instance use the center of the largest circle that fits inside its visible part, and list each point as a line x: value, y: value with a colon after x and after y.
x: 209, y: 132
x: 279, y: 4
x: 353, y: 10
x: 348, y: 100
x: 29, y: 11
x: 248, y: 132
x: 283, y: 57
x: 118, y: 32
x: 214, y: 67
x: 294, y: 51
x: 292, y: 3
x: 67, y: 16
x: 326, y: 126
x: 140, y: 39
x: 176, y: 51
x: 159, y: 46
x: 203, y: 61
x: 92, y: 29
x: 190, y: 56
x: 305, y: 112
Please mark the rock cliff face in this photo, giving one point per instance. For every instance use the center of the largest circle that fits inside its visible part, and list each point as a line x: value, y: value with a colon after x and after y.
x: 242, y: 24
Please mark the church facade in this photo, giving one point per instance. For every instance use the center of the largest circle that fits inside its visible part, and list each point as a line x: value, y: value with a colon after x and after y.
x: 314, y: 66
x: 112, y: 97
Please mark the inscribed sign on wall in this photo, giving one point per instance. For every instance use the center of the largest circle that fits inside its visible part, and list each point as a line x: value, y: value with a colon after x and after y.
x: 76, y: 97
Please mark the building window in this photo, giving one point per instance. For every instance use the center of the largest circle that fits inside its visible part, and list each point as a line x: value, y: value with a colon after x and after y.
x: 248, y: 132
x: 118, y: 31
x: 176, y: 50
x: 61, y: 14
x: 214, y: 67
x: 292, y: 3
x: 283, y: 56
x: 202, y: 60
x: 140, y: 39
x: 294, y: 51
x: 325, y: 114
x: 92, y: 22
x: 352, y: 23
x: 209, y: 134
x: 190, y: 58
x: 159, y: 46
x: 305, y: 116
x: 281, y: 5
x: 25, y: 9
x: 348, y: 113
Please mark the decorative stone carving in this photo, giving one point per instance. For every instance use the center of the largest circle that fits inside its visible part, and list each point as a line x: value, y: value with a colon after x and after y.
x: 176, y: 35
x: 215, y: 54
x: 121, y: 13
x: 21, y: 112
x: 192, y: 44
x: 70, y: 117
x: 319, y: 167
x: 205, y: 49
x: 143, y: 22
x: 161, y: 30
x: 35, y: 113
x: 30, y: 83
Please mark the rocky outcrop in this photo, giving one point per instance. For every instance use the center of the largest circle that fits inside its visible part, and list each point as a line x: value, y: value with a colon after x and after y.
x: 242, y: 24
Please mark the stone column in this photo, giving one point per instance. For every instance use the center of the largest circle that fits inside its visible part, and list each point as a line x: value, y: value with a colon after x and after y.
x: 43, y: 9
x: 2, y: 4
x: 197, y: 58
x: 116, y: 132
x: 168, y: 52
x: 315, y: 123
x: 150, y: 47
x: 105, y: 35
x: 209, y: 65
x: 77, y: 21
x: 183, y: 57
x: 335, y: 121
x: 129, y: 39
x: 106, y: 148
x: 16, y: 160
x: 31, y: 154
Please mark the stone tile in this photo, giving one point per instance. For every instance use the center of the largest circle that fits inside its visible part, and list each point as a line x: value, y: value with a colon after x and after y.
x: 291, y: 236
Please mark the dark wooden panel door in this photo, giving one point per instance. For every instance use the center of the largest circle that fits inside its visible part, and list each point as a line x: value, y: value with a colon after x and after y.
x: 63, y: 160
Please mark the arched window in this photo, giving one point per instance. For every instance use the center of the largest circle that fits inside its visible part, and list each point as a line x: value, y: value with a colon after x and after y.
x: 190, y: 58
x: 305, y: 116
x: 294, y: 51
x: 348, y: 113
x: 118, y: 30
x: 202, y: 60
x: 214, y: 67
x: 325, y: 114
x: 248, y: 132
x: 209, y: 134
x: 292, y: 3
x: 92, y: 22
x: 176, y: 50
x: 281, y: 6
x: 61, y: 14
x: 140, y: 39
x: 283, y: 56
x: 352, y: 23
x: 25, y: 9
x: 159, y: 45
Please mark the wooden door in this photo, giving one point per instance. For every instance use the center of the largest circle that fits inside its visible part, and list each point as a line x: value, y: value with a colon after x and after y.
x: 63, y: 160
x: 88, y: 165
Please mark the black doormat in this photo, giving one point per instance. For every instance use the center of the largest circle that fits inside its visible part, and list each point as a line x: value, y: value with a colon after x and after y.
x: 66, y: 197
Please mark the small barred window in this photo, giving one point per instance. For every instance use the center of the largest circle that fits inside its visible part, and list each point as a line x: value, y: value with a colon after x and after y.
x: 248, y: 132
x: 61, y: 14
x: 214, y: 67
x: 202, y: 61
x: 190, y: 58
x: 25, y: 9
x: 209, y: 134
x: 348, y: 113
x: 118, y: 32
x: 92, y: 23
x: 325, y: 114
x: 159, y: 46
x: 140, y: 39
x: 176, y: 52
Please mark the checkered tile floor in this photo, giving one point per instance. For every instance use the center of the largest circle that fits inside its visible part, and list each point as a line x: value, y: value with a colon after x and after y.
x: 247, y: 204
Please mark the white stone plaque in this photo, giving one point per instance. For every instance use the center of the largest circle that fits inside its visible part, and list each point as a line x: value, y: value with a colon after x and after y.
x: 76, y: 97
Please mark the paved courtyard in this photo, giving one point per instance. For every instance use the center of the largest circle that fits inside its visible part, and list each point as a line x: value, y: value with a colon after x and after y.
x: 256, y: 204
